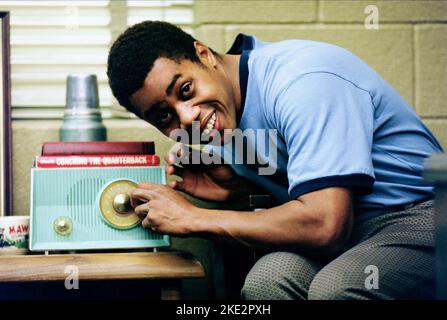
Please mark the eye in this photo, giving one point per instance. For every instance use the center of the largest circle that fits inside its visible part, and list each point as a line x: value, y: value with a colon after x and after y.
x: 185, y: 90
x: 165, y: 118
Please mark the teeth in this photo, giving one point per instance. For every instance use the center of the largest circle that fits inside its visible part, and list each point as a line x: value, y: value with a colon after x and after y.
x: 210, y: 125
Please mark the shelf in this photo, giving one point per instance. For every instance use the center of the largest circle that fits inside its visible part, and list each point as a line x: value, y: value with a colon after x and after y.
x: 102, y: 266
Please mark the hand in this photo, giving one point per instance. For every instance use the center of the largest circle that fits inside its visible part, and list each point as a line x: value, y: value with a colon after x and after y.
x: 163, y: 210
x: 215, y: 182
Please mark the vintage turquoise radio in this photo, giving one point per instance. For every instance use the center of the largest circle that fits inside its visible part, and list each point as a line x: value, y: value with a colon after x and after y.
x: 89, y: 208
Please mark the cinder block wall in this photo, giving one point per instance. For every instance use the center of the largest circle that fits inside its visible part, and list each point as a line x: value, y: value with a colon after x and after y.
x: 409, y: 49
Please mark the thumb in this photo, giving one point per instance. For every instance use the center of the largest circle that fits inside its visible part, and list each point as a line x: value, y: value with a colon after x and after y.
x: 177, y: 185
x: 178, y: 154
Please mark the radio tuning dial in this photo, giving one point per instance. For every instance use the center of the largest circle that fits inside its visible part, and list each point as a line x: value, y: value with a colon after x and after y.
x: 114, y: 204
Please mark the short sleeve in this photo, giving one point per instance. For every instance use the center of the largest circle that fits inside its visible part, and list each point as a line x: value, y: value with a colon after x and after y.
x: 327, y: 124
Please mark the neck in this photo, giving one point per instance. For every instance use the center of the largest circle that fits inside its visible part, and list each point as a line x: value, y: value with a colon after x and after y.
x: 230, y: 65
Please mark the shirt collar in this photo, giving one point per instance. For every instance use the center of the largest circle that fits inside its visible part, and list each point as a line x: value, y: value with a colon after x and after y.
x: 243, y: 44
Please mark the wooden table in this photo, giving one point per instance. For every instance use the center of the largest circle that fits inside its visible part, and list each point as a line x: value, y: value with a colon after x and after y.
x: 168, y: 268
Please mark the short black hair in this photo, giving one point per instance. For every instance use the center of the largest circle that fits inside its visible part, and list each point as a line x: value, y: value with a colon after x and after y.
x: 133, y: 54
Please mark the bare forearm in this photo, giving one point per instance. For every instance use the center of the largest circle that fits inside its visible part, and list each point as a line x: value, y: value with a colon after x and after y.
x: 289, y: 226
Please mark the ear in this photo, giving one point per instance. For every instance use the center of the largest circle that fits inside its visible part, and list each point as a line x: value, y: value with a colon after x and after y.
x: 205, y: 55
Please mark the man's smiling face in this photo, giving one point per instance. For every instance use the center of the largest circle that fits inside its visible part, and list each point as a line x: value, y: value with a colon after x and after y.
x: 175, y: 94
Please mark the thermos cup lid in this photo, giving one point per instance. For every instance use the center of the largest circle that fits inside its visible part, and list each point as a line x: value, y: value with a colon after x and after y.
x: 82, y: 91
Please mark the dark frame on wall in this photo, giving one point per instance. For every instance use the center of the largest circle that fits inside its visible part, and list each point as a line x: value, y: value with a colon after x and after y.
x: 5, y: 117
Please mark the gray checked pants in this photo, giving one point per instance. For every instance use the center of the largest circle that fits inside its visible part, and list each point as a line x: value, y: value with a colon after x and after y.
x: 389, y: 257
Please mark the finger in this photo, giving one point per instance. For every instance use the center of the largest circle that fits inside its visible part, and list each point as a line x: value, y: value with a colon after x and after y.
x: 150, y: 186
x: 178, y: 185
x: 169, y: 158
x: 142, y: 211
x: 136, y: 202
x: 176, y: 153
x: 137, y: 196
x: 145, y: 223
x: 184, y: 155
x: 148, y: 225
x: 172, y: 184
x: 180, y: 170
x: 169, y: 169
x: 175, y: 170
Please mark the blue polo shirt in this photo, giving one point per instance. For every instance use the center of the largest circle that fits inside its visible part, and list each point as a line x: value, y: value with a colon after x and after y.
x: 338, y: 124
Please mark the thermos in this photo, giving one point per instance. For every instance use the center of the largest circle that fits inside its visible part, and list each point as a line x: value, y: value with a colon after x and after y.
x: 82, y: 117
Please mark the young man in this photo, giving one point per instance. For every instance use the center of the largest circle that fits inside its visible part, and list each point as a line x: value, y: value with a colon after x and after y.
x: 355, y: 219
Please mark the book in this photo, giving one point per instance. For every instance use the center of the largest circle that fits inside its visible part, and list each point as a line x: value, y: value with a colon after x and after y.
x: 84, y: 161
x: 65, y: 148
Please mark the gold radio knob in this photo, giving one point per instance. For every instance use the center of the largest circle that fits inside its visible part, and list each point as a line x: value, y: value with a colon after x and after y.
x: 121, y: 203
x: 63, y: 226
x: 114, y: 204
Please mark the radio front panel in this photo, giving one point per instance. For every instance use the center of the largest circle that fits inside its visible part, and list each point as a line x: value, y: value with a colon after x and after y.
x: 83, y: 208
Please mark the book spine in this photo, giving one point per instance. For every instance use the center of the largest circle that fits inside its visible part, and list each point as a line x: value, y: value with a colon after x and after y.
x: 90, y: 161
x: 66, y: 148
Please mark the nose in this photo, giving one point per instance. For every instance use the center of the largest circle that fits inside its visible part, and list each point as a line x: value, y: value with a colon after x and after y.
x: 187, y: 113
